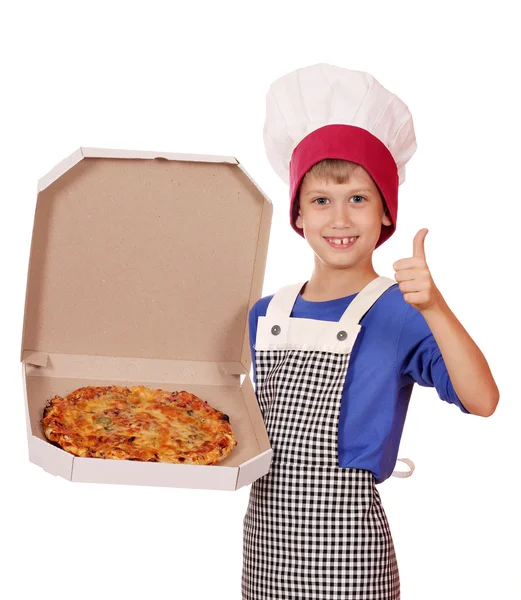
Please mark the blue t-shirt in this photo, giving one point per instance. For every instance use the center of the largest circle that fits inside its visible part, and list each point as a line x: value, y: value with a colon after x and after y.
x: 394, y: 349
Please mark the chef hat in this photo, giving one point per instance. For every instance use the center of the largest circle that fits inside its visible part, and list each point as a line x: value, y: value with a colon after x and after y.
x: 323, y: 111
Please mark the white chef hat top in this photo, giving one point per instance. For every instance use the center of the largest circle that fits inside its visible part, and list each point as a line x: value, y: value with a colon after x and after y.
x: 377, y: 128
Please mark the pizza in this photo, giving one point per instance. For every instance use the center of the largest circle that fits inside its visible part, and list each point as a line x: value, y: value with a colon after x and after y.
x: 138, y: 423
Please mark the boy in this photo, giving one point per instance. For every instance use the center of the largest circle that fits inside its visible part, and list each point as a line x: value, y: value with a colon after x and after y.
x: 335, y: 358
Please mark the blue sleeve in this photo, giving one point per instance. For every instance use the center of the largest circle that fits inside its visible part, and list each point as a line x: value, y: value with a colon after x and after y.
x: 259, y: 309
x: 252, y: 324
x: 419, y: 358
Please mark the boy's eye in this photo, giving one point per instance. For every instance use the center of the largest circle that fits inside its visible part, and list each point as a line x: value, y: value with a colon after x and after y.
x: 322, y: 198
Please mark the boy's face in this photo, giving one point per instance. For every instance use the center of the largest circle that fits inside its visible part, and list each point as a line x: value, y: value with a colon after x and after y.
x: 328, y: 209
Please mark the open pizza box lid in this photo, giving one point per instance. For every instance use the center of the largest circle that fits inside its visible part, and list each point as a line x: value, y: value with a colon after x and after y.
x: 142, y: 271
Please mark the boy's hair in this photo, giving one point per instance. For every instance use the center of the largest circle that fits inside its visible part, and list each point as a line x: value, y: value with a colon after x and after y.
x: 339, y: 171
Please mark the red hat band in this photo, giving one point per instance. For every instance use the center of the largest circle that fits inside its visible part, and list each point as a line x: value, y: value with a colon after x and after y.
x: 346, y: 142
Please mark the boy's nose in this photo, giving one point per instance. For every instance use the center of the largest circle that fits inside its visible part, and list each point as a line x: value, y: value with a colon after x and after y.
x: 341, y: 217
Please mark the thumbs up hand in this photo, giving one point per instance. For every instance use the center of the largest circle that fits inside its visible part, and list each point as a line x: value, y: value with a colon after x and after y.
x: 414, y: 278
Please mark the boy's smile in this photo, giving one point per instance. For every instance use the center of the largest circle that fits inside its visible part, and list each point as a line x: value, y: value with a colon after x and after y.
x: 341, y: 243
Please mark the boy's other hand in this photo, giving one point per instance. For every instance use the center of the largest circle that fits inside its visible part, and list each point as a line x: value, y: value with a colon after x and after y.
x: 414, y: 277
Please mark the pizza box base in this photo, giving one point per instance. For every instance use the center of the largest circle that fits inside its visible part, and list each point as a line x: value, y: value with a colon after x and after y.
x: 248, y: 461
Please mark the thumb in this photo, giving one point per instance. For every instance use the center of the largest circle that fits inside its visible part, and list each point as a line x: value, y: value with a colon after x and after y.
x: 419, y: 243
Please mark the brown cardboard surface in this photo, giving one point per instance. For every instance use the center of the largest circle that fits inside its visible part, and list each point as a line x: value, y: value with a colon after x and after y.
x: 142, y: 271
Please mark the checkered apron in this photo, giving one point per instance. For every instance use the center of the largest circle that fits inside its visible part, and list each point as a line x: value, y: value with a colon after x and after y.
x: 312, y: 530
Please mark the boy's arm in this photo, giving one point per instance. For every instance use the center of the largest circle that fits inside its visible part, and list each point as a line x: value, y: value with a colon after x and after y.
x: 252, y: 328
x: 467, y: 367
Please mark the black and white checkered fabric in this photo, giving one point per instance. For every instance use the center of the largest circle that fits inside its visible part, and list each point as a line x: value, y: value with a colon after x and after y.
x: 312, y: 530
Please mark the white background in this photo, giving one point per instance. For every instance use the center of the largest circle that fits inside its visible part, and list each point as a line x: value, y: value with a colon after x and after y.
x: 192, y: 78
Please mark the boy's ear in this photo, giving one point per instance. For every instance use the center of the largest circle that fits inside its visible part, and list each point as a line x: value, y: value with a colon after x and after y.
x: 386, y: 217
x: 298, y: 220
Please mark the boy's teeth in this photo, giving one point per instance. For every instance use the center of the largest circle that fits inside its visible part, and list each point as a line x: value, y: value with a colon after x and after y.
x: 342, y: 241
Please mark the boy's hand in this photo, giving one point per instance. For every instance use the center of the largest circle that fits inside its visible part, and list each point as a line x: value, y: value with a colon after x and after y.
x: 414, y: 277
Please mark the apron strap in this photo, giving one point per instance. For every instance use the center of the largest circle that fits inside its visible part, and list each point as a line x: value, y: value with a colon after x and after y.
x: 407, y: 461
x: 281, y: 304
x: 365, y: 299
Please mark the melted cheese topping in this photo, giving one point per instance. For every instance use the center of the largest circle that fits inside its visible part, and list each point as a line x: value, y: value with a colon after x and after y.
x: 138, y: 423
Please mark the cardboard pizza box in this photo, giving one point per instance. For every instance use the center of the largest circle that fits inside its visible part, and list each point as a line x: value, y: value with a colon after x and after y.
x: 142, y: 271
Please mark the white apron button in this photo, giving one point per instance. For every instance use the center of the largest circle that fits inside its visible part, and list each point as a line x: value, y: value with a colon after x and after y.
x: 341, y: 335
x: 275, y: 330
